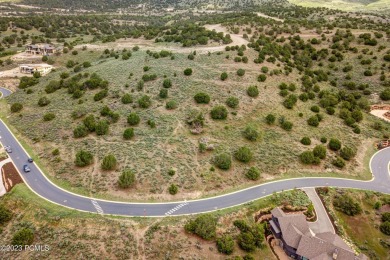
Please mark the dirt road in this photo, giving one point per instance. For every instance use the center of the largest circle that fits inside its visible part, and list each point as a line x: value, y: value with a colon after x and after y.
x: 177, y: 48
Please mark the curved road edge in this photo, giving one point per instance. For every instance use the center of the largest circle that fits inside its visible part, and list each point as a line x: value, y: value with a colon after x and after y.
x: 44, y: 188
x: 5, y: 92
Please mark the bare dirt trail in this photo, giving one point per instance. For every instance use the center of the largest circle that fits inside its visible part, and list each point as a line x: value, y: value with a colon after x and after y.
x: 151, y: 45
x: 270, y: 17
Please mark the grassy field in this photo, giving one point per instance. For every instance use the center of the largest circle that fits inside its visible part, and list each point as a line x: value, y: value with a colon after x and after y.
x: 345, y: 5
x: 154, y: 151
x: 363, y: 229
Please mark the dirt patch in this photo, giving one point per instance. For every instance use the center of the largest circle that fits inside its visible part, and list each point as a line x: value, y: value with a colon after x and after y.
x: 380, y: 114
x: 10, y: 176
x: 384, y: 208
x: 9, y: 83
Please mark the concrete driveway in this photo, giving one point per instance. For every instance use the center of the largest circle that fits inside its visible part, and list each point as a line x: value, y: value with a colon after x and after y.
x: 323, y: 223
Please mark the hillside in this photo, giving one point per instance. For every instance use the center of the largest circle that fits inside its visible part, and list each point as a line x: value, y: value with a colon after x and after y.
x: 107, y: 5
x: 347, y: 5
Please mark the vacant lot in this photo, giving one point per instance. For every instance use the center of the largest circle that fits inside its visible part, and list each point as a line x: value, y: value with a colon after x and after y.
x: 170, y: 147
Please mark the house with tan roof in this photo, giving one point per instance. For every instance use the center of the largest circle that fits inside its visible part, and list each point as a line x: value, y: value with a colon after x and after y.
x: 300, y: 242
x: 41, y: 49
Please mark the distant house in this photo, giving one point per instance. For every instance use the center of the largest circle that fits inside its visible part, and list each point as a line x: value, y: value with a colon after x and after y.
x: 43, y: 69
x: 41, y: 49
x: 299, y: 242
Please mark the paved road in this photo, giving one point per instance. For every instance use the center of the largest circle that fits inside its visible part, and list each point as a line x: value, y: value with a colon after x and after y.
x: 5, y: 92
x: 38, y: 183
x: 323, y: 223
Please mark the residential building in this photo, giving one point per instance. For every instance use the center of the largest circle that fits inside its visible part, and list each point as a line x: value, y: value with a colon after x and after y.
x: 43, y: 69
x: 299, y: 241
x: 40, y: 49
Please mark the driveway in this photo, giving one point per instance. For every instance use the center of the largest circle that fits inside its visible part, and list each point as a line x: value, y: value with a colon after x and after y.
x: 323, y: 223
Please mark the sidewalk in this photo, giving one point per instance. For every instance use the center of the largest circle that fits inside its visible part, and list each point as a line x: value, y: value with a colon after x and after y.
x: 323, y: 223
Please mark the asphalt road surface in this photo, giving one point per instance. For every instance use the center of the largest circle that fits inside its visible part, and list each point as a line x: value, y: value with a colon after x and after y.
x: 39, y: 184
x: 5, y: 92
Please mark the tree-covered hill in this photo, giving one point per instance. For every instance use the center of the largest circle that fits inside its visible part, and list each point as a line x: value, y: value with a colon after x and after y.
x: 105, y: 5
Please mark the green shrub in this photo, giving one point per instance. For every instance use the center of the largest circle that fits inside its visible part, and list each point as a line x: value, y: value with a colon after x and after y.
x: 22, y: 237
x: 126, y: 179
x: 149, y: 77
x: 240, y: 72
x: 313, y: 121
x: 128, y: 134
x: 86, y: 64
x: 385, y: 94
x: 5, y: 215
x: 102, y: 127
x: 163, y: 93
x: 290, y: 101
x: 270, y: 119
x: 83, y: 158
x: 232, y: 102
x: 48, y: 116
x: 338, y: 162
x: 264, y: 69
x: 223, y: 161
x: 385, y: 216
x: 347, y: 153
x: 385, y: 228
x: 173, y: 189
x: 172, y: 104
x: 43, y: 101
x: 319, y: 151
x: 246, y: 241
x: 324, y: 140
x: 90, y: 123
x: 315, y: 109
x: 307, y: 157
x: 171, y: 172
x: 262, y: 78
x: 251, y: 133
x: 109, y: 162
x: 252, y: 91
x: 16, y: 107
x: 127, y: 99
x: 55, y: 152
x: 330, y: 110
x: 204, y: 226
x: 334, y: 144
x: 243, y: 154
x: 347, y: 205
x: 305, y: 141
x: 80, y: 131
x: 100, y: 95
x: 188, y: 72
x: 167, y: 83
x: 133, y: 119
x: 286, y: 125
x: 202, y: 98
x: 224, y: 76
x: 144, y: 101
x: 219, y: 112
x: 225, y: 244
x: 253, y: 174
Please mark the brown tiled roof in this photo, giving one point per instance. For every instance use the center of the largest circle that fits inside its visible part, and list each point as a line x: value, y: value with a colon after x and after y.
x: 334, y: 239
x: 323, y: 246
x: 277, y: 212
